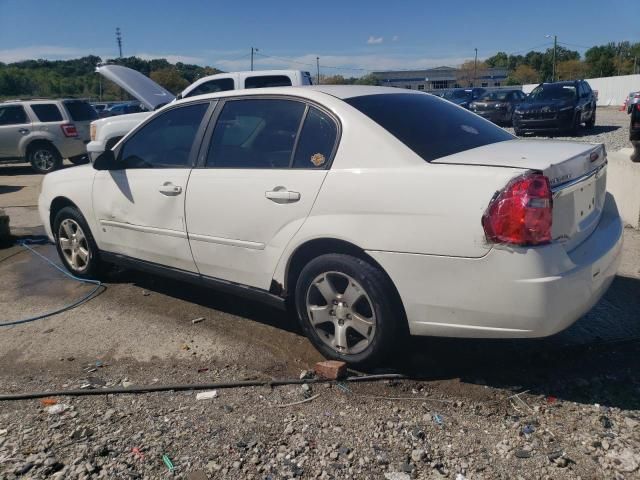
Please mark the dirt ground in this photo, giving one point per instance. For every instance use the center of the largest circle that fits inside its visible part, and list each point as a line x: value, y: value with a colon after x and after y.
x: 563, y: 407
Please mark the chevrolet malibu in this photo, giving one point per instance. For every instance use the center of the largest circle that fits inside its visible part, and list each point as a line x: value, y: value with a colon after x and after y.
x: 372, y: 212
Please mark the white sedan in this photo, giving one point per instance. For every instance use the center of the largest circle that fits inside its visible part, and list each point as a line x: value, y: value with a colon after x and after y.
x: 373, y: 212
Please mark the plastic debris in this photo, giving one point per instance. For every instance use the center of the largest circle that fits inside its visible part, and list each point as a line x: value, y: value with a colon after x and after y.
x: 197, y: 320
x: 528, y: 429
x: 47, y: 402
x: 168, y: 463
x: 438, y: 419
x: 207, y: 395
x: 136, y: 451
x: 57, y: 409
x: 460, y: 476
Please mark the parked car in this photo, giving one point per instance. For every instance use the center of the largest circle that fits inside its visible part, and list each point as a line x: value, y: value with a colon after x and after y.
x: 463, y: 96
x: 99, y: 107
x: 632, y: 99
x: 44, y: 132
x: 106, y: 133
x: 498, y: 105
x: 559, y: 106
x: 123, y: 109
x: 634, y: 132
x: 342, y: 201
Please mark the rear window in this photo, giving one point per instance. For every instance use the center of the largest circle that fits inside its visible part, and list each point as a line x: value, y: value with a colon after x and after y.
x: 267, y: 81
x: 47, y: 112
x: 213, y: 86
x: 81, y: 111
x: 431, y: 127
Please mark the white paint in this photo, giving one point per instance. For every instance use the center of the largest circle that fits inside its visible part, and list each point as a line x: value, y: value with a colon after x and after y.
x: 624, y: 183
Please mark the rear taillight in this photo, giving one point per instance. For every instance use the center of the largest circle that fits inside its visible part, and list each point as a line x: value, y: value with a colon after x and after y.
x: 521, y: 213
x: 69, y: 130
x: 638, y: 106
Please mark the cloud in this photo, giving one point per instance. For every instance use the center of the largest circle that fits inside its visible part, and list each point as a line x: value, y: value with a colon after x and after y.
x: 375, y: 40
x: 172, y: 58
x: 50, y: 52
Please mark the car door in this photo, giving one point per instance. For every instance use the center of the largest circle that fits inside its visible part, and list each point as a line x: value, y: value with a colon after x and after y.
x: 14, y: 124
x: 140, y: 204
x: 266, y: 159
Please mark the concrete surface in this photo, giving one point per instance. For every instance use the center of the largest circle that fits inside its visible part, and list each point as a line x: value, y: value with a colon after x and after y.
x: 623, y: 181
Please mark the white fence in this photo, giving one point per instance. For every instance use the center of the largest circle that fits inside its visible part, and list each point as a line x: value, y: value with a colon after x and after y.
x: 611, y: 90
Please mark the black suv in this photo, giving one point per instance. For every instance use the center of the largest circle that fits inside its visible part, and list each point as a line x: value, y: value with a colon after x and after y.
x: 559, y: 106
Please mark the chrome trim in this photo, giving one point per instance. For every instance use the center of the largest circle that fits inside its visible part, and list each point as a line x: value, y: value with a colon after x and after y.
x: 227, y: 241
x: 573, y: 185
x: 143, y: 229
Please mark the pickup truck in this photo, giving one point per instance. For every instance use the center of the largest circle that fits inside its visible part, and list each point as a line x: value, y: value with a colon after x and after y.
x: 107, y: 132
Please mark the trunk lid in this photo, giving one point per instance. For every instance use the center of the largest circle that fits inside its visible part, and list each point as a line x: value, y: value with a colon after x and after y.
x: 141, y: 87
x: 576, y: 171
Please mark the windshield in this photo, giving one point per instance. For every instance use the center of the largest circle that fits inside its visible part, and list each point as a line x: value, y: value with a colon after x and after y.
x: 553, y: 92
x: 457, y: 94
x: 494, y: 96
x: 429, y: 126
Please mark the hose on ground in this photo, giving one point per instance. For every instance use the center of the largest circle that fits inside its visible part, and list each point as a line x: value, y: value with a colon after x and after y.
x: 86, y: 298
x: 194, y: 386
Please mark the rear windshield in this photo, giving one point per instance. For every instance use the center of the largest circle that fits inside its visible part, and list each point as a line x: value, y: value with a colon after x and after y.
x: 81, y: 111
x: 267, y: 81
x: 47, y: 112
x: 431, y: 127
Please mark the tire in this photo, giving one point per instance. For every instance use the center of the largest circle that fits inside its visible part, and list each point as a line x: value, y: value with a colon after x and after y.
x: 75, y: 243
x: 79, y: 160
x: 370, y: 327
x: 44, y: 158
x: 592, y: 121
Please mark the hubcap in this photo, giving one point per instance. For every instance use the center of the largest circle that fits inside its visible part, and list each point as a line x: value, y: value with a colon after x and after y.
x: 43, y: 159
x: 73, y: 245
x: 341, y: 312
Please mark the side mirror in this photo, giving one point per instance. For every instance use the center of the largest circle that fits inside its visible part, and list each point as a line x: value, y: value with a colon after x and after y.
x: 105, y: 161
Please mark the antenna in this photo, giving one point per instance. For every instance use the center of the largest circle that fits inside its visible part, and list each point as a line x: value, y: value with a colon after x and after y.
x: 119, y: 40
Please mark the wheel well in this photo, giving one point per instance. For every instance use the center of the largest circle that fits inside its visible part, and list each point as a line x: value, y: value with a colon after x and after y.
x: 38, y: 143
x: 58, y: 204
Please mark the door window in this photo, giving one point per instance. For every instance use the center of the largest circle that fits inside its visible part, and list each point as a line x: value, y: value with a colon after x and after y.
x: 255, y: 134
x: 13, y: 115
x: 267, y: 81
x: 166, y: 141
x: 213, y: 86
x: 47, y: 112
x: 317, y: 139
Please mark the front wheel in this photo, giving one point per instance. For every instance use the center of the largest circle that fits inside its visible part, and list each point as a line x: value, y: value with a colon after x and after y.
x: 75, y: 244
x: 592, y: 121
x: 44, y: 159
x: 347, y: 307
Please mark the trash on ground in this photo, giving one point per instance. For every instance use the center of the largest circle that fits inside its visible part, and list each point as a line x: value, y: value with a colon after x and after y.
x: 197, y: 320
x: 528, y: 429
x: 331, y: 369
x: 167, y: 461
x: 202, y: 370
x: 136, y: 451
x: 438, y: 419
x: 551, y: 399
x: 207, y: 395
x: 48, y: 401
x: 57, y: 409
x: 397, y: 476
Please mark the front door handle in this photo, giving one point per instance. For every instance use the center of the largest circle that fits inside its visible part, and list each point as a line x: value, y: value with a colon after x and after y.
x: 23, y: 131
x: 282, y: 195
x: 170, y: 190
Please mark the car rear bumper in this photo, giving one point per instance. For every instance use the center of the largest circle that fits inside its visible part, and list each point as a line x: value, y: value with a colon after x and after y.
x: 510, y: 292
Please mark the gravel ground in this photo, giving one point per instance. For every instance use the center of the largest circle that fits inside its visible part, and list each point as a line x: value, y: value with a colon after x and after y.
x: 612, y: 129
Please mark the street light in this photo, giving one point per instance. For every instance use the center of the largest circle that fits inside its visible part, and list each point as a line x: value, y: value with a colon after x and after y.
x: 555, y: 45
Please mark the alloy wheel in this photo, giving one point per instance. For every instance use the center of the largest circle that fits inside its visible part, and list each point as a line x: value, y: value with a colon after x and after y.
x: 341, y: 312
x: 73, y: 245
x: 44, y: 159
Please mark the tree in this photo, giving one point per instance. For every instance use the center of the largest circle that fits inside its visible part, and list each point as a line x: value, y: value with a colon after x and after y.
x: 170, y: 79
x: 469, y: 73
x: 369, y: 79
x: 522, y: 75
x: 499, y: 60
x: 571, y: 70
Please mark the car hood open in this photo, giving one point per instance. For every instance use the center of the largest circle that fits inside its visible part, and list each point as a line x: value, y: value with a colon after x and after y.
x: 148, y: 92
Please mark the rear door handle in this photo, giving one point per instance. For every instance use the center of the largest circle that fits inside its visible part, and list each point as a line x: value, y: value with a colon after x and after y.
x: 280, y: 195
x: 170, y: 190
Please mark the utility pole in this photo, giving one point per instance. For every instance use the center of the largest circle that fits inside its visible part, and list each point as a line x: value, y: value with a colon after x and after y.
x: 318, y: 70
x: 475, y: 69
x: 555, y: 46
x: 635, y: 62
x: 119, y: 40
x: 253, y: 49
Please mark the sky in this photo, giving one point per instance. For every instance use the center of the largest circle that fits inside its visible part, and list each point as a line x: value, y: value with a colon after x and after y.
x: 351, y: 37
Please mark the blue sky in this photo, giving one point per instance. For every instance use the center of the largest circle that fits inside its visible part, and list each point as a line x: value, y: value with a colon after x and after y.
x: 355, y: 36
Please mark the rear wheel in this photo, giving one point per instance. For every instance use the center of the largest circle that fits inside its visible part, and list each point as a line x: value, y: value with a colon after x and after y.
x: 592, y: 121
x: 44, y: 158
x: 75, y: 244
x: 347, y: 308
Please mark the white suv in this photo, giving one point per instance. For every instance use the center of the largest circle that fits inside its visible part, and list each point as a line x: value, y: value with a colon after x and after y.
x: 107, y: 132
x: 43, y: 132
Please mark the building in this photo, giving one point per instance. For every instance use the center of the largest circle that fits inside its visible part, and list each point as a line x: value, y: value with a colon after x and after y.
x: 442, y: 77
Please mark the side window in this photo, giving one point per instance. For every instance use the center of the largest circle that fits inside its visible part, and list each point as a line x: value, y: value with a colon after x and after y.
x: 267, y: 81
x: 13, y: 115
x: 317, y: 139
x: 213, y: 86
x: 255, y: 134
x: 166, y: 141
x: 47, y: 112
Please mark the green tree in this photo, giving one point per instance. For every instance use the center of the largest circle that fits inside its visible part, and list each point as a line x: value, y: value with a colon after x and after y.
x: 170, y: 79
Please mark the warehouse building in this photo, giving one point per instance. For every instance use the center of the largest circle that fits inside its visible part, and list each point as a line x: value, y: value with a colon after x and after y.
x: 441, y: 78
